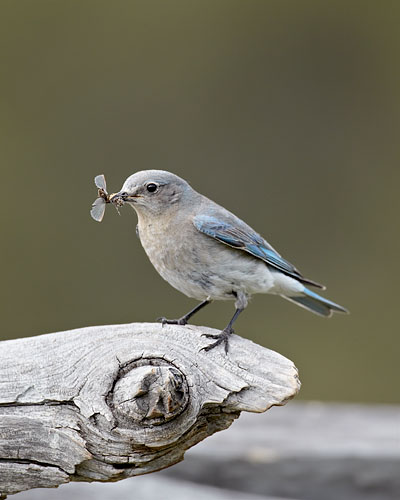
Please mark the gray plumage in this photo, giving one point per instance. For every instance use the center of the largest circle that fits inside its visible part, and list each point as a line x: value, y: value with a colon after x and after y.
x: 208, y: 253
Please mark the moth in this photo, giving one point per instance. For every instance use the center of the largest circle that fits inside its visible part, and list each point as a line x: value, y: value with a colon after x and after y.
x: 99, y: 205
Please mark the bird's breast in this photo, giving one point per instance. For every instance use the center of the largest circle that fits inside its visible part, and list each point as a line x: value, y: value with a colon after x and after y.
x: 175, y: 256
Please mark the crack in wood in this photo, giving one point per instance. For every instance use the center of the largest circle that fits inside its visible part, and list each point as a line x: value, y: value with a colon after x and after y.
x: 31, y: 461
x: 45, y: 402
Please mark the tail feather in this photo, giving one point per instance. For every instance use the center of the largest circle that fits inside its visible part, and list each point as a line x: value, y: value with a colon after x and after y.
x: 316, y: 304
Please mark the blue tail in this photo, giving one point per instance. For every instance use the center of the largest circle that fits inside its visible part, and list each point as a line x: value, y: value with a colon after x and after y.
x: 316, y: 304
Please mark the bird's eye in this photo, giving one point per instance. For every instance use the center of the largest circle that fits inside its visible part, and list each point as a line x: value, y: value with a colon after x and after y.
x: 151, y: 187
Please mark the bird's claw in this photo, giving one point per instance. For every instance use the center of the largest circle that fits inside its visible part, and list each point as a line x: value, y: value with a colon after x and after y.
x: 165, y: 321
x: 220, y: 337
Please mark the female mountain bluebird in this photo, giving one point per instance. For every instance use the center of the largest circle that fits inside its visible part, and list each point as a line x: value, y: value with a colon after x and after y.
x: 208, y: 253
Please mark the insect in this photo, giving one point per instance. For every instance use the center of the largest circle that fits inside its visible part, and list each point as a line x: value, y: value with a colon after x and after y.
x: 99, y: 205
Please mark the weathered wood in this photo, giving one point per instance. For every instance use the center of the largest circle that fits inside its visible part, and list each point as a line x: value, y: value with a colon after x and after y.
x: 109, y: 402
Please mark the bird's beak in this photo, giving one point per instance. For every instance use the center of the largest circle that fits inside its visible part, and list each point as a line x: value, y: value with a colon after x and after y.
x: 118, y: 198
x: 122, y: 197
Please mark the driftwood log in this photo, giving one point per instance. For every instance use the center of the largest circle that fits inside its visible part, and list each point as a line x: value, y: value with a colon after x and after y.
x: 109, y: 402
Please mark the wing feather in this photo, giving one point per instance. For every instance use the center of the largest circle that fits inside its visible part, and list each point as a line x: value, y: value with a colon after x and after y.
x: 244, y: 238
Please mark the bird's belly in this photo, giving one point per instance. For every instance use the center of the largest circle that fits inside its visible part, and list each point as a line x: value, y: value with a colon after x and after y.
x: 212, y: 271
x: 179, y: 269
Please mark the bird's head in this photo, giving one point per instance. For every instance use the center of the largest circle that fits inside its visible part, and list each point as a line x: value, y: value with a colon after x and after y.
x: 152, y: 192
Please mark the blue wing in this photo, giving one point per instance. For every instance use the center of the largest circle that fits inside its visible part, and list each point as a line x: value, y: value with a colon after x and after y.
x: 242, y: 237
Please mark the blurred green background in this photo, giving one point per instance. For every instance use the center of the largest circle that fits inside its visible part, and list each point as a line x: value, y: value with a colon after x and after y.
x: 287, y: 113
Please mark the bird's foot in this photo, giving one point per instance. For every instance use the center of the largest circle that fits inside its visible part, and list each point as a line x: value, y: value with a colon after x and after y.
x: 165, y: 321
x: 222, y: 337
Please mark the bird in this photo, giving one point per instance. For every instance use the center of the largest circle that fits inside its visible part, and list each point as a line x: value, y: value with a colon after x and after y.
x: 208, y: 253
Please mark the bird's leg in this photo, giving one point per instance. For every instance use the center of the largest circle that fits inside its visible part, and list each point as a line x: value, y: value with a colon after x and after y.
x: 224, y: 335
x: 184, y: 320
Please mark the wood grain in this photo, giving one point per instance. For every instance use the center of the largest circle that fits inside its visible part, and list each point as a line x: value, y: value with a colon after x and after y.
x: 108, y: 402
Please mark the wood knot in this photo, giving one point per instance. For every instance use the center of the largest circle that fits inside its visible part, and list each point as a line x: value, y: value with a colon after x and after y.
x: 149, y: 392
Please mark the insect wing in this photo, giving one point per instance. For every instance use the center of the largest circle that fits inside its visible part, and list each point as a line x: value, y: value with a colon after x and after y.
x: 98, y: 209
x: 100, y: 182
